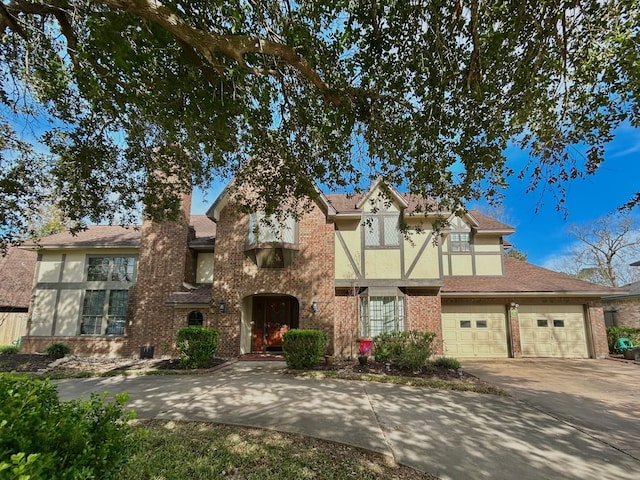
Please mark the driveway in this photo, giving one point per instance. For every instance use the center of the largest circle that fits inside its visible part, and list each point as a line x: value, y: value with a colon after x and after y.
x: 598, y: 397
x: 453, y: 435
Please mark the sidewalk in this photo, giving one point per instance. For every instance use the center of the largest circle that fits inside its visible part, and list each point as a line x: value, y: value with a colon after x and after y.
x: 453, y: 435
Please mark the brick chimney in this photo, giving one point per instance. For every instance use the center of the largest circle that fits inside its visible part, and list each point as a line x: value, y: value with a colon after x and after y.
x: 162, y: 266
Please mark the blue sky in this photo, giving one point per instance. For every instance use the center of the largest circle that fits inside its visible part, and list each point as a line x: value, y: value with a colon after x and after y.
x: 543, y: 235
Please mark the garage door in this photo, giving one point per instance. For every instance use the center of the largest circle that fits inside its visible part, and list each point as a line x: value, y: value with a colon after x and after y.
x: 474, y: 331
x: 553, y: 331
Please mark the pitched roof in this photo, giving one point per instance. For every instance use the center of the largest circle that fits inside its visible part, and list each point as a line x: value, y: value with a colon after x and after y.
x: 116, y: 236
x: 523, y: 278
x: 349, y: 204
x: 103, y: 236
x: 205, y: 230
x: 18, y: 268
x: 198, y: 296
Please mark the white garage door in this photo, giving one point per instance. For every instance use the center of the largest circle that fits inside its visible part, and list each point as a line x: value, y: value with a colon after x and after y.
x: 553, y: 331
x: 474, y: 331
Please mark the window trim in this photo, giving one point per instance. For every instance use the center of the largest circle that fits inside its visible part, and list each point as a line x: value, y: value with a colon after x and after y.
x: 255, y: 222
x: 111, y: 258
x: 380, y: 218
x: 365, y: 311
x: 106, y: 317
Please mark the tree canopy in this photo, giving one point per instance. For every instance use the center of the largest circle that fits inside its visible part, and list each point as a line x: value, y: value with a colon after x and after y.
x: 102, y: 101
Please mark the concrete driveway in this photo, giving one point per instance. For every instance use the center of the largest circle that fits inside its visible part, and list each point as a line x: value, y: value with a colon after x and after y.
x: 453, y: 435
x: 598, y: 397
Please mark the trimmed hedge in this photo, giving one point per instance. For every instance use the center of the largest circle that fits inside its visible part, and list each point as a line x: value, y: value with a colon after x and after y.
x: 303, y: 348
x: 41, y: 437
x: 197, y: 346
x: 410, y: 350
x: 614, y: 333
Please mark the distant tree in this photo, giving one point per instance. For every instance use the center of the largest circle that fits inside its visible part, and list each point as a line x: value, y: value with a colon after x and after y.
x: 46, y: 219
x: 605, y: 247
x: 517, y: 254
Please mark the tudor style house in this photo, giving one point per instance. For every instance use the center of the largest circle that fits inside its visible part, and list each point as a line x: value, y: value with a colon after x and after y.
x: 344, y: 267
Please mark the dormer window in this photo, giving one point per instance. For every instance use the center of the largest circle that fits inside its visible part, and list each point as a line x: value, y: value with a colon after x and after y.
x: 381, y: 230
x: 460, y: 241
x: 272, y: 242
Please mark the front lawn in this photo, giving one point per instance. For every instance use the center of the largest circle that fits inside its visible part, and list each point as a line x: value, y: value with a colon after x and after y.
x: 190, y: 450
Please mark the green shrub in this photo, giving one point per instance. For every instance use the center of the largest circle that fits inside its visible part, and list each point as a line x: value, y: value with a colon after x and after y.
x: 447, y: 362
x: 58, y: 350
x: 614, y: 333
x: 303, y: 348
x: 41, y: 437
x: 8, y: 349
x: 197, y: 346
x: 409, y: 350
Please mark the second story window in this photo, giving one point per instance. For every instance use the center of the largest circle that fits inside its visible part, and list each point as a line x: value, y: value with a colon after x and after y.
x: 272, y: 242
x: 270, y: 229
x: 111, y: 268
x: 460, y: 241
x: 381, y: 230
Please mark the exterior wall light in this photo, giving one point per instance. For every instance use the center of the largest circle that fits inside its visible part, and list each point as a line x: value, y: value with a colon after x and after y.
x: 514, y: 305
x: 314, y: 306
x: 223, y: 307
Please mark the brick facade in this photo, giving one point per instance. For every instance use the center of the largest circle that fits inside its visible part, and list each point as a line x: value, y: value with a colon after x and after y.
x: 310, y: 277
x: 626, y: 311
x: 424, y: 312
x: 163, y: 261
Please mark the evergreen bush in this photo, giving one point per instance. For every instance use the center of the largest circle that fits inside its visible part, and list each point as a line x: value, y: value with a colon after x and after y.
x: 41, y: 437
x: 303, y: 348
x: 410, y: 349
x: 447, y: 362
x: 58, y: 350
x: 614, y: 333
x: 197, y: 346
x: 8, y: 349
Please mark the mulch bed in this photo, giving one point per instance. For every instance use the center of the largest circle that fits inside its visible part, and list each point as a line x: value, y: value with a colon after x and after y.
x: 24, y: 362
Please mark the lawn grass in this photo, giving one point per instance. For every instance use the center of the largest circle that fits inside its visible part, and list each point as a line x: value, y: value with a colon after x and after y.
x: 191, y: 450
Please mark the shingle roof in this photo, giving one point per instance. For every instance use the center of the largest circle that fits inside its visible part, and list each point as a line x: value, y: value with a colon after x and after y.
x: 18, y: 268
x: 116, y: 236
x: 105, y: 236
x: 205, y: 230
x: 523, y: 278
x: 347, y: 203
x: 201, y: 295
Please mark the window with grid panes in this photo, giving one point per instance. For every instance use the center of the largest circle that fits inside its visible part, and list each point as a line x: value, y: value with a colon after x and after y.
x: 381, y: 230
x: 111, y: 268
x: 381, y: 315
x: 104, y: 312
x: 460, y: 241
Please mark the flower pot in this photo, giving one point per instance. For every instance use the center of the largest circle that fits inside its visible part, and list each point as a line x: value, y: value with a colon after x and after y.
x: 363, y: 360
x: 328, y: 359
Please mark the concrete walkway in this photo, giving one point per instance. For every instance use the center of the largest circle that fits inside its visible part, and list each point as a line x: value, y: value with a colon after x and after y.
x: 452, y: 435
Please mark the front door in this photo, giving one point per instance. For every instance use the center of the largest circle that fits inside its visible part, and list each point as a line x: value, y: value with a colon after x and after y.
x: 271, y: 320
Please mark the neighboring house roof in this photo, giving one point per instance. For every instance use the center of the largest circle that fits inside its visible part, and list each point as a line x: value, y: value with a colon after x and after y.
x: 632, y: 291
x: 17, y: 268
x: 198, y: 296
x: 522, y: 278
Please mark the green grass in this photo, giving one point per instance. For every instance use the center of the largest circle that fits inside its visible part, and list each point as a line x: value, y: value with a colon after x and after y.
x: 410, y: 381
x: 189, y: 450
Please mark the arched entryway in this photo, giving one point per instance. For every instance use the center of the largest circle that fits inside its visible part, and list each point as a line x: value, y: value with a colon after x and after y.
x: 271, y: 317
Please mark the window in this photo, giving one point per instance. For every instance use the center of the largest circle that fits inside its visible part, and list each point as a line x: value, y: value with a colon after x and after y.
x: 381, y: 230
x: 481, y: 324
x: 543, y: 322
x: 558, y: 323
x: 465, y: 323
x: 460, y: 241
x: 271, y: 229
x: 111, y: 269
x: 381, y: 315
x: 104, y: 312
x: 195, y: 318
